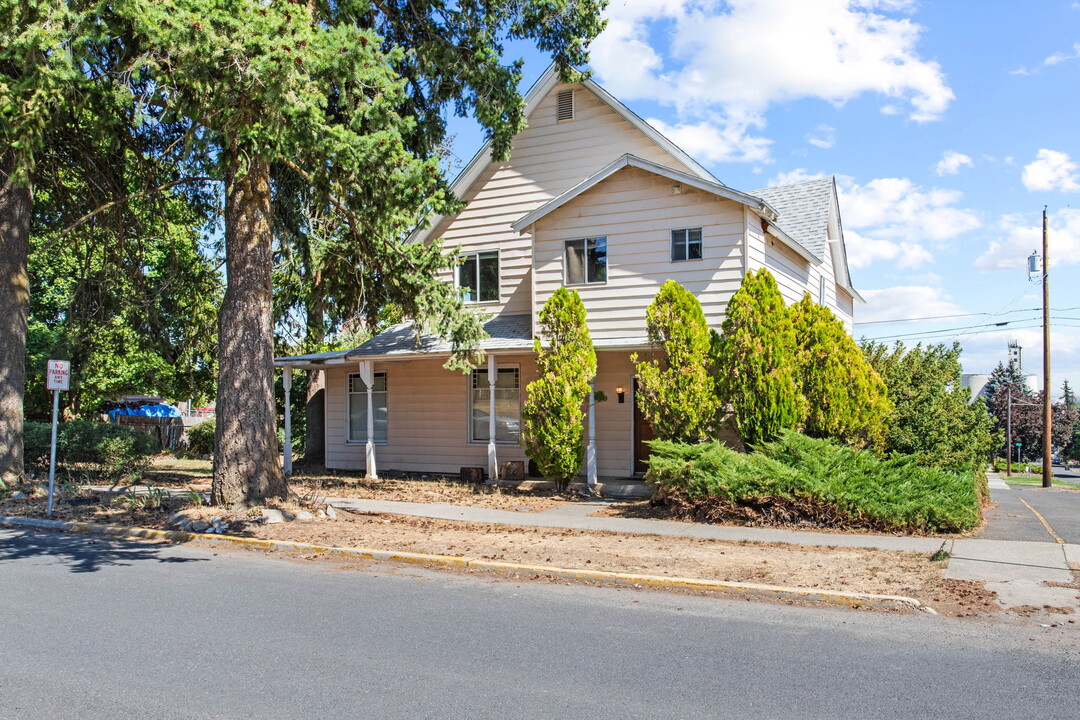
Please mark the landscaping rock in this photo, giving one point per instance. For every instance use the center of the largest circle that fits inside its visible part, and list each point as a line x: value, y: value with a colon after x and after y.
x: 180, y: 521
x: 331, y: 512
x: 271, y: 516
x: 199, y: 526
x: 18, y: 495
x: 304, y: 515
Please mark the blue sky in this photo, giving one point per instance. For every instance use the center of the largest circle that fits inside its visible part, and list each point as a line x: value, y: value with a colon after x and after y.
x: 949, y: 125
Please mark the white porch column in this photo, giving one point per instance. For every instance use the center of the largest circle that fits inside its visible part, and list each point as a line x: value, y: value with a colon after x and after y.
x: 493, y: 458
x: 590, y: 453
x: 367, y: 374
x: 286, y: 382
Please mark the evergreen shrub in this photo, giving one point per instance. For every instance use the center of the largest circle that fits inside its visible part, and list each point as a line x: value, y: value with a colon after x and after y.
x: 200, y: 439
x: 808, y: 481
x: 102, y: 450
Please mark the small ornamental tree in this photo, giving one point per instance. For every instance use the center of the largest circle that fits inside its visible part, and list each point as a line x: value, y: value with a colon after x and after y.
x: 846, y: 399
x: 756, y: 361
x: 554, y: 412
x: 675, y: 392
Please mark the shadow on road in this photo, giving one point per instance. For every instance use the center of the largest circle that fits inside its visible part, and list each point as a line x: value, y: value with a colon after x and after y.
x: 82, y: 553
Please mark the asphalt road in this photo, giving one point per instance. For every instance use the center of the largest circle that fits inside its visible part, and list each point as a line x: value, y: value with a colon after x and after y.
x: 111, y: 629
x: 1012, y: 519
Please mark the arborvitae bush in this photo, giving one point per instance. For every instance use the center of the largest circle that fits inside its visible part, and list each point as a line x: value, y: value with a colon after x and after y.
x: 554, y: 413
x: 675, y: 392
x: 756, y: 361
x: 846, y: 399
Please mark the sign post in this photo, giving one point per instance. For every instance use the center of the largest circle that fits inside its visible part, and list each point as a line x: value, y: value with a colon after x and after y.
x: 58, y: 377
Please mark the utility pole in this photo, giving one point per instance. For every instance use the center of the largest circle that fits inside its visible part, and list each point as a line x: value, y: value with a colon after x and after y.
x: 1047, y: 468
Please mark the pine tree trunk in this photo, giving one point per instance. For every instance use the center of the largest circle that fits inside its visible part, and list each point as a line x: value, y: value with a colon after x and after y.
x: 246, y: 467
x: 315, y: 429
x: 15, y: 205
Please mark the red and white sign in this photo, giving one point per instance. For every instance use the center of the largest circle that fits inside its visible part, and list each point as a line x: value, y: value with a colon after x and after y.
x: 58, y: 375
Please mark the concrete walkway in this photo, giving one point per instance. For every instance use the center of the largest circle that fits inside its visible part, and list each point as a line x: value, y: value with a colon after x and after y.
x: 1016, y: 569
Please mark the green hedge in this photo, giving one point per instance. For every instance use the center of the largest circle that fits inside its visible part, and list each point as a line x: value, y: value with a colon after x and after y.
x: 109, y: 452
x: 200, y: 439
x: 801, y: 480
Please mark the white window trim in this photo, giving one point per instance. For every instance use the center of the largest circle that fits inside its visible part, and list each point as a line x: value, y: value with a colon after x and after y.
x: 348, y: 415
x: 469, y: 405
x: 457, y: 277
x: 671, y: 244
x: 585, y: 266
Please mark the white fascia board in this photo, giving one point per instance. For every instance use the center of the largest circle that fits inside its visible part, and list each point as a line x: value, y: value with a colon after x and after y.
x: 628, y: 160
x: 840, y: 264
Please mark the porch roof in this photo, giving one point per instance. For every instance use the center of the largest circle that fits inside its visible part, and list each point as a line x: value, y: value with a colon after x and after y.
x: 505, y: 332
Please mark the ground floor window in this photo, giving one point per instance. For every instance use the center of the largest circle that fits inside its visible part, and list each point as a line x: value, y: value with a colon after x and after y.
x: 507, y: 406
x: 358, y: 408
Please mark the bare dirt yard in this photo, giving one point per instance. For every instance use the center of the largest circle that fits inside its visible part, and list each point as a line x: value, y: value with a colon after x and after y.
x: 167, y: 471
x: 808, y: 567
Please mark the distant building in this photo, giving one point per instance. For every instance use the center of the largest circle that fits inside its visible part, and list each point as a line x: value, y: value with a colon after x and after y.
x: 976, y: 382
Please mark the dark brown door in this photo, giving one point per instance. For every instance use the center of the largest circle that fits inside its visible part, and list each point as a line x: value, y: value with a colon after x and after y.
x: 642, y: 432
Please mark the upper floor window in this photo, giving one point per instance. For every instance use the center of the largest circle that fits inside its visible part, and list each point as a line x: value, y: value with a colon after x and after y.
x: 478, y: 277
x: 686, y: 244
x: 585, y: 261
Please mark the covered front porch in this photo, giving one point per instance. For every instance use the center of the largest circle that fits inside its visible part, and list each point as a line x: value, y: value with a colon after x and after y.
x: 393, y: 407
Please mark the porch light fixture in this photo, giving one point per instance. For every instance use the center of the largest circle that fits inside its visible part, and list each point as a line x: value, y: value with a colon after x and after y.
x: 621, y: 392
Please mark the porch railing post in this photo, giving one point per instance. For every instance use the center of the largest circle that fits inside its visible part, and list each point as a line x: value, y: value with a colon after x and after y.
x: 493, y: 458
x: 286, y: 382
x: 367, y: 374
x: 590, y: 456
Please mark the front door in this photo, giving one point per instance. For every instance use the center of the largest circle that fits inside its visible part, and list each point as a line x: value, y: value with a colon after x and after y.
x: 643, y: 432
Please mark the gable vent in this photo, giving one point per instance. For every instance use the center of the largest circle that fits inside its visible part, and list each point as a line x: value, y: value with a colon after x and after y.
x: 564, y: 105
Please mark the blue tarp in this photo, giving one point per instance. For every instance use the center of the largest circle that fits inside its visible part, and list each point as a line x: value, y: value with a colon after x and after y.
x: 154, y: 410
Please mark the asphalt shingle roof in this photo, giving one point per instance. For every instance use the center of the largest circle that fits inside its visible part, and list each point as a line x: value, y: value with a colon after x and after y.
x: 507, y: 332
x: 803, y: 210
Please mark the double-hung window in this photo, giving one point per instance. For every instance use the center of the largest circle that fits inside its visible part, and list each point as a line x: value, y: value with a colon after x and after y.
x: 686, y: 244
x: 478, y: 277
x: 585, y: 261
x: 358, y: 408
x: 507, y: 406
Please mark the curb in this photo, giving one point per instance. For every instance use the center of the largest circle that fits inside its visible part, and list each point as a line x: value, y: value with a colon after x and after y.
x: 748, y: 590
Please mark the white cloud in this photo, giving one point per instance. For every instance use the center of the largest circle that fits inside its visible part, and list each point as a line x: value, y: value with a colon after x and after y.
x: 951, y: 162
x: 1019, y: 237
x: 1060, y: 57
x: 1051, y: 170
x: 823, y: 136
x: 792, y: 177
x: 863, y: 251
x: 715, y: 142
x: 906, y: 301
x: 899, y: 210
x: 734, y: 60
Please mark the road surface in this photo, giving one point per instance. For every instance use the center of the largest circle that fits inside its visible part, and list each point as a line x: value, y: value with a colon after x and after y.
x: 109, y: 629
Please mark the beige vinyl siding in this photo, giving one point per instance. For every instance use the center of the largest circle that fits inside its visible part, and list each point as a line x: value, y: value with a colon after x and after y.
x: 636, y: 211
x: 547, y: 158
x: 427, y: 410
x: 791, y: 271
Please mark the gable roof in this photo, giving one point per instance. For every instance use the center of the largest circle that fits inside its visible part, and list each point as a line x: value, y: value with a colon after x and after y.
x: 755, y: 204
x: 536, y: 94
x: 803, y: 211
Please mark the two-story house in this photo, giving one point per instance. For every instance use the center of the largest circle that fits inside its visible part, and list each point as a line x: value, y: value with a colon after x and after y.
x: 592, y: 198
